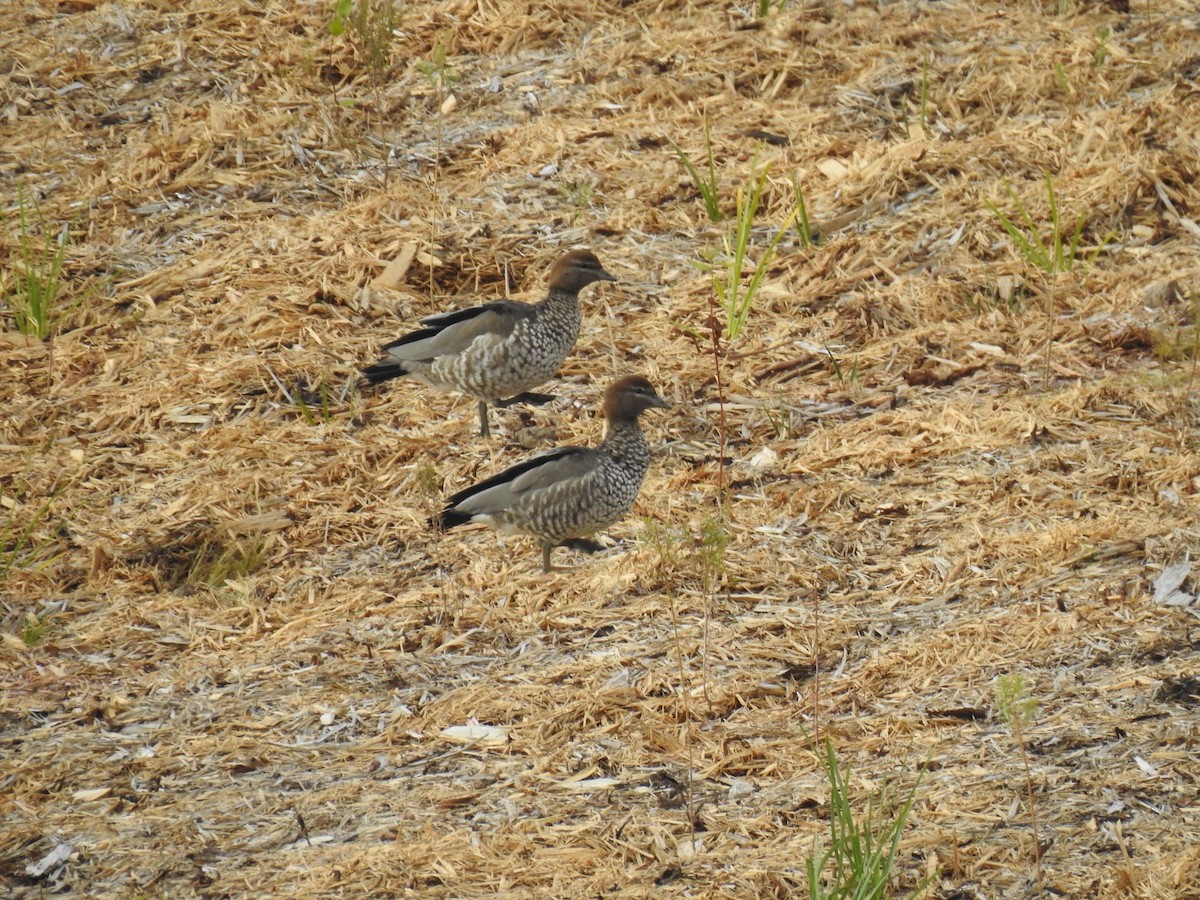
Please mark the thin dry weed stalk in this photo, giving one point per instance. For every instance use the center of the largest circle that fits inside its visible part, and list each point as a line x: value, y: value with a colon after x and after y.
x: 1018, y: 709
x: 716, y: 344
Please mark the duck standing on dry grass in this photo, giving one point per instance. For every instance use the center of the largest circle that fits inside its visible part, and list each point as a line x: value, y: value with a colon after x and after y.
x: 498, y: 351
x: 564, y: 495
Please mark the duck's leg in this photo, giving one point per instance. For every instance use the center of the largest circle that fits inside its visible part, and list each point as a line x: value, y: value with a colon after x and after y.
x: 527, y: 397
x: 483, y: 419
x: 546, y: 548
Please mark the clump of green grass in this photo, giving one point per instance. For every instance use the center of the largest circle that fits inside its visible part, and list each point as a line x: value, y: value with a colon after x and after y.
x: 922, y: 103
x: 216, y: 563
x: 729, y: 267
x: 781, y: 419
x: 923, y: 94
x: 578, y: 194
x: 32, y: 284
x: 843, y: 375
x: 860, y: 859
x: 706, y: 184
x: 733, y: 294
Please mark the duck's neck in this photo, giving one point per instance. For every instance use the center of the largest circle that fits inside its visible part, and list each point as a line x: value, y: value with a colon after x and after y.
x: 624, y: 438
x: 559, y: 297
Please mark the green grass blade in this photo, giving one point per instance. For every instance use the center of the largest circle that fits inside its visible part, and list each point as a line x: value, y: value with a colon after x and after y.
x: 803, y: 225
x: 707, y: 190
x: 711, y: 199
x: 1059, y: 262
x: 1073, y: 250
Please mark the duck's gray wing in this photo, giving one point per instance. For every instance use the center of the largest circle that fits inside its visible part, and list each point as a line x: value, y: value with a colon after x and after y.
x: 539, y: 472
x: 452, y: 332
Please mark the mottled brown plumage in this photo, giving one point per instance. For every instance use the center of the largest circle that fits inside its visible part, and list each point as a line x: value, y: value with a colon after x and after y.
x: 498, y: 351
x: 563, y: 496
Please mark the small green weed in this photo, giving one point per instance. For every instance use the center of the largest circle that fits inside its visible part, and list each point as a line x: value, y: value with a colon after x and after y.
x: 1063, y: 80
x: 1183, y: 344
x: 1058, y: 253
x: 707, y: 186
x: 1054, y: 255
x: 429, y: 482
x: 373, y: 25
x: 342, y: 11
x: 710, y: 552
x: 1103, y: 49
x: 667, y: 543
x: 861, y: 857
x: 1014, y: 704
x: 1007, y: 293
x: 435, y: 67
x: 314, y: 405
x: 701, y: 554
x: 33, y: 629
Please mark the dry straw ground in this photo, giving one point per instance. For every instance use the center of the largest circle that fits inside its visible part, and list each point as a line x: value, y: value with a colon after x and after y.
x: 237, y: 662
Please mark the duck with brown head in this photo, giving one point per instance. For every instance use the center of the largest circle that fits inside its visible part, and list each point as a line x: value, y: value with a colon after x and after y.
x: 565, y: 495
x: 498, y: 351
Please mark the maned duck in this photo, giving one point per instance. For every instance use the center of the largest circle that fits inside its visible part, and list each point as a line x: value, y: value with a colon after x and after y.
x: 498, y: 351
x: 563, y: 496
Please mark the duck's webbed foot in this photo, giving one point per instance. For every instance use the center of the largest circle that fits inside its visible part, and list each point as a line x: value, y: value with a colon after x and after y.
x: 582, y: 544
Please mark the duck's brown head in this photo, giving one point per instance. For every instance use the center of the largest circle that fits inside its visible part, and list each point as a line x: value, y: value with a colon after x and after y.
x: 629, y: 397
x: 574, y: 271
